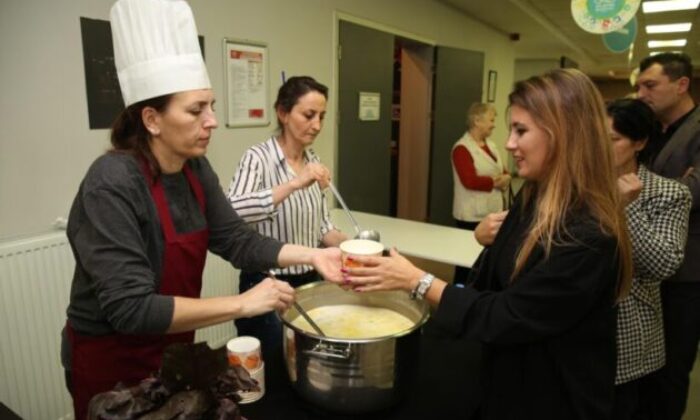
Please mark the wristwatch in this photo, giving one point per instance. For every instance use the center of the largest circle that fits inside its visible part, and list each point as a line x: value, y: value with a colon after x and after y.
x: 422, y: 287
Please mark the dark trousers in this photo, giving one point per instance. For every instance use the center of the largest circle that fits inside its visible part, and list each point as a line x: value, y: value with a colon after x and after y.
x: 268, y: 327
x: 462, y: 273
x: 632, y: 399
x: 681, y: 307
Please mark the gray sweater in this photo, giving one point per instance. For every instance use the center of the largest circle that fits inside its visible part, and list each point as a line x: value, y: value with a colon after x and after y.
x: 115, y: 234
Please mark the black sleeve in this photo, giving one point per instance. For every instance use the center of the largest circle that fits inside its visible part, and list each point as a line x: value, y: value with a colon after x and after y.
x: 550, y: 298
x: 230, y: 236
x: 104, y: 230
x: 692, y: 180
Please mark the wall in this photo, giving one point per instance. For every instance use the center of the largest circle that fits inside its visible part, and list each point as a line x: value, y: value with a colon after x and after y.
x: 612, y: 89
x: 46, y: 145
x: 525, y: 68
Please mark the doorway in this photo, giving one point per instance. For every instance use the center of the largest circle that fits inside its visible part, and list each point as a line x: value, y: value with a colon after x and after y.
x: 413, y: 85
x: 383, y: 162
x: 394, y: 160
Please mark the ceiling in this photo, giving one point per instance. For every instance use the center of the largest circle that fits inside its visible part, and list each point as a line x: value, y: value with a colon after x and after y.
x: 548, y: 31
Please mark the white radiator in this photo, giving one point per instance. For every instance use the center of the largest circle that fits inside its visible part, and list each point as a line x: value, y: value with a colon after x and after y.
x: 35, y: 278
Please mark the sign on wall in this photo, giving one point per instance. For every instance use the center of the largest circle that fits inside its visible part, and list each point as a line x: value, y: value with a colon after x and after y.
x: 104, y: 98
x: 369, y: 106
x: 247, y: 83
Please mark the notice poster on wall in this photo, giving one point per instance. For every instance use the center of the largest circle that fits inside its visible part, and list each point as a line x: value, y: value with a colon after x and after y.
x: 247, y: 83
x: 369, y: 106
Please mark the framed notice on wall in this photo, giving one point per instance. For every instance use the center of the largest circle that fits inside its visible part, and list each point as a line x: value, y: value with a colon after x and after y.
x: 369, y: 106
x: 492, y: 84
x: 247, y: 83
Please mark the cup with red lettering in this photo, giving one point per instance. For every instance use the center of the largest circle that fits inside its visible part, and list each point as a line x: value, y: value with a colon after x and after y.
x: 244, y: 351
x: 359, y: 248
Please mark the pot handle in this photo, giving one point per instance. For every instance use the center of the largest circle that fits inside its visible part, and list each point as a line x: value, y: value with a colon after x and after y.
x: 323, y: 349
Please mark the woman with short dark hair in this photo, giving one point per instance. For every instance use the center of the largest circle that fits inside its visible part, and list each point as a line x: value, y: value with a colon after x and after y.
x: 657, y: 210
x: 279, y: 189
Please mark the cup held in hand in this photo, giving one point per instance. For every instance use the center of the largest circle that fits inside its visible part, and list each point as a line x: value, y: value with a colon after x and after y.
x: 359, y: 247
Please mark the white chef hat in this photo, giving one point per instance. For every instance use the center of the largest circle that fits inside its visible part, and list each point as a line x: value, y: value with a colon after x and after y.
x: 156, y: 51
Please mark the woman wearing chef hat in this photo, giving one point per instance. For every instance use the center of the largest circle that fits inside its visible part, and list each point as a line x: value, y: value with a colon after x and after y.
x: 148, y: 211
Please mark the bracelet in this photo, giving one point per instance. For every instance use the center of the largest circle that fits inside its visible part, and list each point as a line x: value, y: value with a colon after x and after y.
x: 422, y: 287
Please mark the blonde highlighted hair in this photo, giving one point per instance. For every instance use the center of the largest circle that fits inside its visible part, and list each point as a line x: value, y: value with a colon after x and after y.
x: 580, y: 172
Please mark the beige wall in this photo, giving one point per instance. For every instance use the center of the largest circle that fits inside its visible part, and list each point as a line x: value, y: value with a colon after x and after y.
x: 46, y: 145
x: 526, y: 68
x: 612, y: 89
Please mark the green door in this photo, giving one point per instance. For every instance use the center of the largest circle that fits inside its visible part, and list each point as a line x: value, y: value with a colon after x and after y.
x: 458, y: 82
x: 364, y: 160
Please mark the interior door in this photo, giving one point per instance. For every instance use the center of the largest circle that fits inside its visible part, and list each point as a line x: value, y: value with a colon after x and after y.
x: 366, y: 65
x: 414, y: 145
x: 458, y: 83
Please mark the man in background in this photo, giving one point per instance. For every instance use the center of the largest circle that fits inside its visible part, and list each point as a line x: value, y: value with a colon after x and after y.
x: 664, y: 83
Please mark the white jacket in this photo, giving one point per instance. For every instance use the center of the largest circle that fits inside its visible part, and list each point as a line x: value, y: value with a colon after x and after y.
x: 472, y: 205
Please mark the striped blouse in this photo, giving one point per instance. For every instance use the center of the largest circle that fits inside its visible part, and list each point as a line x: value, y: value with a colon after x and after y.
x: 302, y: 218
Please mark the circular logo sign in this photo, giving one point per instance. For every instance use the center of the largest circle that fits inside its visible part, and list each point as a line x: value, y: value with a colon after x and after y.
x: 603, y: 16
x: 620, y: 40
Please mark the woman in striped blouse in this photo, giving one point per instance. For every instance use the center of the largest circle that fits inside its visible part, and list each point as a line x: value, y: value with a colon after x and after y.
x: 278, y: 188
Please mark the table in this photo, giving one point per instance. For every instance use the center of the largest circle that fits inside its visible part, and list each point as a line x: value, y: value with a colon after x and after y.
x: 448, y: 245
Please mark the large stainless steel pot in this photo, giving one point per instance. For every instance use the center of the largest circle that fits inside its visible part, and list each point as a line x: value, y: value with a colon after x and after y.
x: 352, y: 375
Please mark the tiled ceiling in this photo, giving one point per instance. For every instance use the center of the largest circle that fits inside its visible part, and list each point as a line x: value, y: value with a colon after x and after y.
x: 548, y: 31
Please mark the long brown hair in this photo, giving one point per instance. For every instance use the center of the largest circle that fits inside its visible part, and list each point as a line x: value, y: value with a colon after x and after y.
x: 130, y: 135
x: 581, y: 175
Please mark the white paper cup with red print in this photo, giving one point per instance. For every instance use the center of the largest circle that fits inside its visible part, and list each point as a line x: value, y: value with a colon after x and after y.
x: 244, y: 351
x: 359, y: 247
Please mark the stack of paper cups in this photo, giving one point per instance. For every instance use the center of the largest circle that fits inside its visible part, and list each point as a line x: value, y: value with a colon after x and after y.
x: 245, y: 351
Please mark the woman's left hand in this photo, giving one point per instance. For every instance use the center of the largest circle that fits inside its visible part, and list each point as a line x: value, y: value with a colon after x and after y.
x: 486, y: 231
x: 394, y: 272
x: 327, y: 261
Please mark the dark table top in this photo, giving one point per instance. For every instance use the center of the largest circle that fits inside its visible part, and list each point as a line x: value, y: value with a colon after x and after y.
x: 446, y: 385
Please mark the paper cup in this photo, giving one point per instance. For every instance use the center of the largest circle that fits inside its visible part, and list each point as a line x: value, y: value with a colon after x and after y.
x: 252, y: 396
x: 244, y: 351
x: 359, y: 247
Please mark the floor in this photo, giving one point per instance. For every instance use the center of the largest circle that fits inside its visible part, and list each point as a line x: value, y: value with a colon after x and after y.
x: 445, y: 272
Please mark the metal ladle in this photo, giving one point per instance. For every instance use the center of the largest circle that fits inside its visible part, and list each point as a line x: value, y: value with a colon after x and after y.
x: 308, y: 319
x: 371, y: 235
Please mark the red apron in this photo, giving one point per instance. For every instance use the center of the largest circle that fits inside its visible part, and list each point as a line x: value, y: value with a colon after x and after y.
x: 98, y: 363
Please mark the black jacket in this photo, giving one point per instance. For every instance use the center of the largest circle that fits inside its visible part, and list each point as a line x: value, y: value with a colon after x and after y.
x: 549, y: 335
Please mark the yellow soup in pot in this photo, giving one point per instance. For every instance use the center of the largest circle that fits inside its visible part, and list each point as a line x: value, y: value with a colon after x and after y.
x: 355, y: 321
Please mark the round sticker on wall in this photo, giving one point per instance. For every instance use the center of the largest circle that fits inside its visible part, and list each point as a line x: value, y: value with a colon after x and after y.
x: 603, y: 16
x: 620, y: 40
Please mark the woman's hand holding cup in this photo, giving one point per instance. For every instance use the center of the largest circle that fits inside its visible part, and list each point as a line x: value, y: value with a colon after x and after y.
x: 373, y: 273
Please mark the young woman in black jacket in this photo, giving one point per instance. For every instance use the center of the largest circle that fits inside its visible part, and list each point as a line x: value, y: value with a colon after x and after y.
x: 543, y: 302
